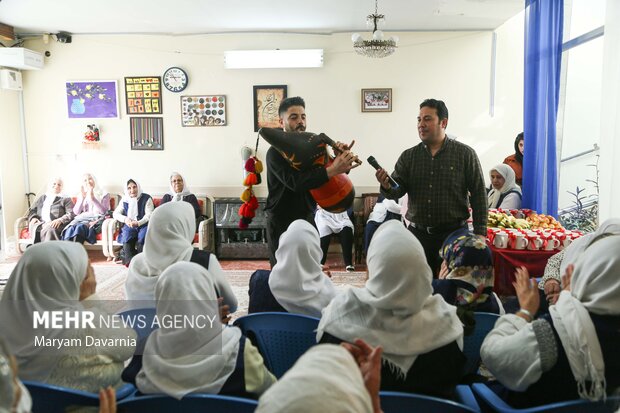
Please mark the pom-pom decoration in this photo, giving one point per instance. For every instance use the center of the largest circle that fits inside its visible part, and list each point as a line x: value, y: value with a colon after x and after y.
x: 253, y: 167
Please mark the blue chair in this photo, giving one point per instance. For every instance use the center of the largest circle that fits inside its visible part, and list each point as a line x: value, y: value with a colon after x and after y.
x: 142, y: 320
x: 489, y: 400
x: 465, y: 396
x: 472, y: 343
x: 397, y: 402
x: 192, y: 403
x: 48, y: 398
x: 281, y: 338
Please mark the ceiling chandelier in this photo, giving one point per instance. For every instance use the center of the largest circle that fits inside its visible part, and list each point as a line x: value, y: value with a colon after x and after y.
x: 378, y: 46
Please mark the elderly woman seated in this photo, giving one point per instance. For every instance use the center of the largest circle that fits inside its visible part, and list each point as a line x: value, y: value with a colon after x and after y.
x: 466, y: 276
x: 179, y: 191
x: 134, y: 211
x: 421, y: 335
x: 504, y: 193
x: 570, y: 353
x: 50, y: 213
x: 91, y: 205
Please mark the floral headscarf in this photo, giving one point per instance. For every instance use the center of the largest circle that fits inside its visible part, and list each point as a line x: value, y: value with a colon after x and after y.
x: 470, y: 264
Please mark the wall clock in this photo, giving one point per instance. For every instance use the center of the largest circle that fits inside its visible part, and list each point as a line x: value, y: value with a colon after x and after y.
x: 175, y: 79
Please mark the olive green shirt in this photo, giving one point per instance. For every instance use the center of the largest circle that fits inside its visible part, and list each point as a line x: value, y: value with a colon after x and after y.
x: 441, y: 187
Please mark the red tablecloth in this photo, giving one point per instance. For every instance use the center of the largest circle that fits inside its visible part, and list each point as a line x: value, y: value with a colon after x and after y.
x: 505, y: 261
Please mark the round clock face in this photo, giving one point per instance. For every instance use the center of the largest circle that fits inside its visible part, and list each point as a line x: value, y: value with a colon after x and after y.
x: 175, y: 79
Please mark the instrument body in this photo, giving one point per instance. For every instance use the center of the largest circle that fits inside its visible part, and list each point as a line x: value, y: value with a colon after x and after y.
x: 305, y: 151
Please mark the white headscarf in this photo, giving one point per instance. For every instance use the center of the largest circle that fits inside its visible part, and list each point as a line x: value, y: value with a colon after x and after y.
x: 595, y: 287
x: 98, y: 193
x: 396, y: 308
x: 325, y: 379
x: 178, y: 196
x: 132, y: 203
x: 188, y: 360
x: 574, y: 250
x: 379, y: 212
x: 297, y: 281
x: 510, y: 184
x: 168, y: 240
x: 47, y: 277
x: 330, y: 223
x: 50, y: 196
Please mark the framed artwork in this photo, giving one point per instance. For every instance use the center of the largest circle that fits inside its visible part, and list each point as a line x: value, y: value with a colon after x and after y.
x: 207, y: 110
x: 92, y: 99
x: 267, y: 99
x: 376, y: 100
x: 143, y: 95
x: 147, y: 133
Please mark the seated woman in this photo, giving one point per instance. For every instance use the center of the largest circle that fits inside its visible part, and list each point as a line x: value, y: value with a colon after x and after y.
x: 297, y: 283
x: 179, y: 191
x: 466, y: 277
x: 505, y: 193
x: 570, y: 353
x: 384, y: 210
x: 216, y: 359
x: 91, y: 205
x: 57, y: 276
x: 329, y: 223
x: 169, y: 240
x: 515, y: 161
x: 50, y: 213
x: 557, y: 264
x: 134, y: 211
x: 421, y: 335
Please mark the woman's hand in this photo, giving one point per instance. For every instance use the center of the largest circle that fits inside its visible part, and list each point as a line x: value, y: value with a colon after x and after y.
x: 56, y: 223
x: 369, y: 361
x: 107, y: 400
x: 527, y: 291
x: 552, y: 290
x: 224, y: 310
x: 567, y: 277
x: 443, y: 271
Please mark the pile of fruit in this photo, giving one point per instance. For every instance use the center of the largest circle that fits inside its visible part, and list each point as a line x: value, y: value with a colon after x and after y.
x: 501, y: 220
x: 543, y: 221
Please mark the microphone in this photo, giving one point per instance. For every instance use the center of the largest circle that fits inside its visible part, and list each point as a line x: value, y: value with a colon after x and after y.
x: 371, y: 160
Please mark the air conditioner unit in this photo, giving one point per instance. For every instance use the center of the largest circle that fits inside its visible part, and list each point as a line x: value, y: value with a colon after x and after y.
x: 10, y: 79
x: 20, y: 58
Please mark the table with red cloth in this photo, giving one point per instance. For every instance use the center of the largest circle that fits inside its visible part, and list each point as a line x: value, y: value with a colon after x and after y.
x: 506, y: 261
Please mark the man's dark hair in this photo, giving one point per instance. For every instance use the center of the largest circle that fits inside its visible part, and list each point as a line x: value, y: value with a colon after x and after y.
x: 442, y: 110
x: 288, y: 102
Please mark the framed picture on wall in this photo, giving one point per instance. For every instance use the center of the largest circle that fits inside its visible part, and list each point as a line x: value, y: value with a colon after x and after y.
x: 143, y: 95
x: 92, y: 99
x: 205, y: 110
x: 376, y: 100
x: 147, y: 133
x: 267, y: 99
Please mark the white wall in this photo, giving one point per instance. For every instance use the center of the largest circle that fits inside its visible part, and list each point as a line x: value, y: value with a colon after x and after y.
x: 451, y: 66
x: 11, y: 167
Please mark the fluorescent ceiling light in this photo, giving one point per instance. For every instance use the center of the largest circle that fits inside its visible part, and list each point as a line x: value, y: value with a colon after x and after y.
x: 270, y: 59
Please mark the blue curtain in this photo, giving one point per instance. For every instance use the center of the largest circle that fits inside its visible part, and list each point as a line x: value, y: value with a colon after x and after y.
x: 544, y: 21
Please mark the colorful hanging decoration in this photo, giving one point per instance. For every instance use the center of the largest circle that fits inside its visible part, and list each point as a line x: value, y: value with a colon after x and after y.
x: 253, y: 167
x: 91, y: 137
